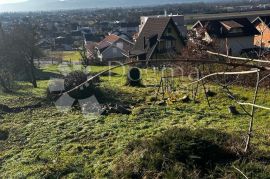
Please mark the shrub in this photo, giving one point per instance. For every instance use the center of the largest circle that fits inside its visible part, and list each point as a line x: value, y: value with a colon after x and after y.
x: 6, y: 81
x: 75, y: 79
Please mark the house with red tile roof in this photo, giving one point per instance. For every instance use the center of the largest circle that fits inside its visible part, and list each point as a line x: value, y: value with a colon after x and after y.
x: 113, y: 47
x: 262, y: 24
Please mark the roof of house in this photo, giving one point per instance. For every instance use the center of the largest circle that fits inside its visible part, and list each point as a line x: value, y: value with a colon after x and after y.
x: 265, y: 19
x: 90, y: 47
x: 122, y: 35
x: 231, y: 24
x: 107, y: 41
x: 114, y: 40
x: 111, y: 38
x: 153, y: 26
x: 221, y: 28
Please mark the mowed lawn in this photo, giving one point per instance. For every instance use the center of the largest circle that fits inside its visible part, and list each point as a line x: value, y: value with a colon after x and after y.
x: 42, y: 142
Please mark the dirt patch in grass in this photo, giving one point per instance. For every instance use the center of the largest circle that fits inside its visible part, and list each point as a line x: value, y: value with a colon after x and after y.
x: 4, y: 108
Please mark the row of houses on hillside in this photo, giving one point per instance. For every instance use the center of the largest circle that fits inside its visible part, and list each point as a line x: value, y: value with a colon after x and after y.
x: 158, y: 37
x: 236, y: 36
x: 165, y: 36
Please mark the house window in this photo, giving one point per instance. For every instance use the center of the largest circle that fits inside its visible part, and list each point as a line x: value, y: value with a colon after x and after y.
x: 168, y: 44
x: 169, y: 30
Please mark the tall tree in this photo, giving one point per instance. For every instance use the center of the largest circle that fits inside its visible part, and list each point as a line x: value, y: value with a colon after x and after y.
x: 84, y: 58
x: 25, y: 40
x: 9, y: 61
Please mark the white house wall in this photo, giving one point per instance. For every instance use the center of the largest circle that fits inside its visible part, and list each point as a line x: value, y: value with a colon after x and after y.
x: 112, y: 52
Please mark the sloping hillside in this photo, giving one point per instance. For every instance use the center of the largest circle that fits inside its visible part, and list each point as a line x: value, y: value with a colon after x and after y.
x: 164, y: 141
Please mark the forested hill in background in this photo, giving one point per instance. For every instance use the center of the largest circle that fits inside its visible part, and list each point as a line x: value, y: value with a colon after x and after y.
x: 45, y: 5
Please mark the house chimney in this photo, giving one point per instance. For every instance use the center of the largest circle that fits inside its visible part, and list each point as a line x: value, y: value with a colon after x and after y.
x: 165, y: 12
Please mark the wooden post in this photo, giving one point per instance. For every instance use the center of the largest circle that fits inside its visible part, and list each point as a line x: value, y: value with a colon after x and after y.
x: 205, y: 93
x: 204, y: 89
x: 38, y: 63
x: 160, y: 83
x: 195, y: 92
x: 197, y: 87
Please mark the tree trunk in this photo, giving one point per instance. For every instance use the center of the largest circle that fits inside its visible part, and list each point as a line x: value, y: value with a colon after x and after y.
x: 250, y: 130
x: 5, y: 88
x: 32, y: 74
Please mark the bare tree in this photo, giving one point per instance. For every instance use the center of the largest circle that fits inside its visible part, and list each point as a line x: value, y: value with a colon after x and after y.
x: 25, y: 40
x: 84, y: 58
x: 9, y: 63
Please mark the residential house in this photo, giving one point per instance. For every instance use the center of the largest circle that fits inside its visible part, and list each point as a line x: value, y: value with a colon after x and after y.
x: 159, y: 38
x: 262, y: 24
x: 63, y: 43
x: 113, y: 48
x: 229, y: 36
x: 90, y: 51
x: 45, y: 44
x: 80, y: 32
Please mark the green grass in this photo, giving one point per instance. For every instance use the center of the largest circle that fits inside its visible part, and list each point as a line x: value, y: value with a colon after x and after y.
x: 66, y: 55
x: 189, y: 26
x: 44, y: 142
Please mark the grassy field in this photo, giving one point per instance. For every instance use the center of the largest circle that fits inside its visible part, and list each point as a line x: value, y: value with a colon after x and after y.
x: 189, y: 26
x: 66, y: 55
x: 178, y: 140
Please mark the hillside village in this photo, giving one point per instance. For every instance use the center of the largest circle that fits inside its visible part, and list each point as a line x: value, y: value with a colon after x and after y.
x: 153, y: 36
x: 136, y: 93
x: 161, y: 35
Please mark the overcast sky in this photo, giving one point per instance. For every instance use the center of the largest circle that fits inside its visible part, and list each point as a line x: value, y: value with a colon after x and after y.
x: 10, y: 1
x: 47, y: 5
